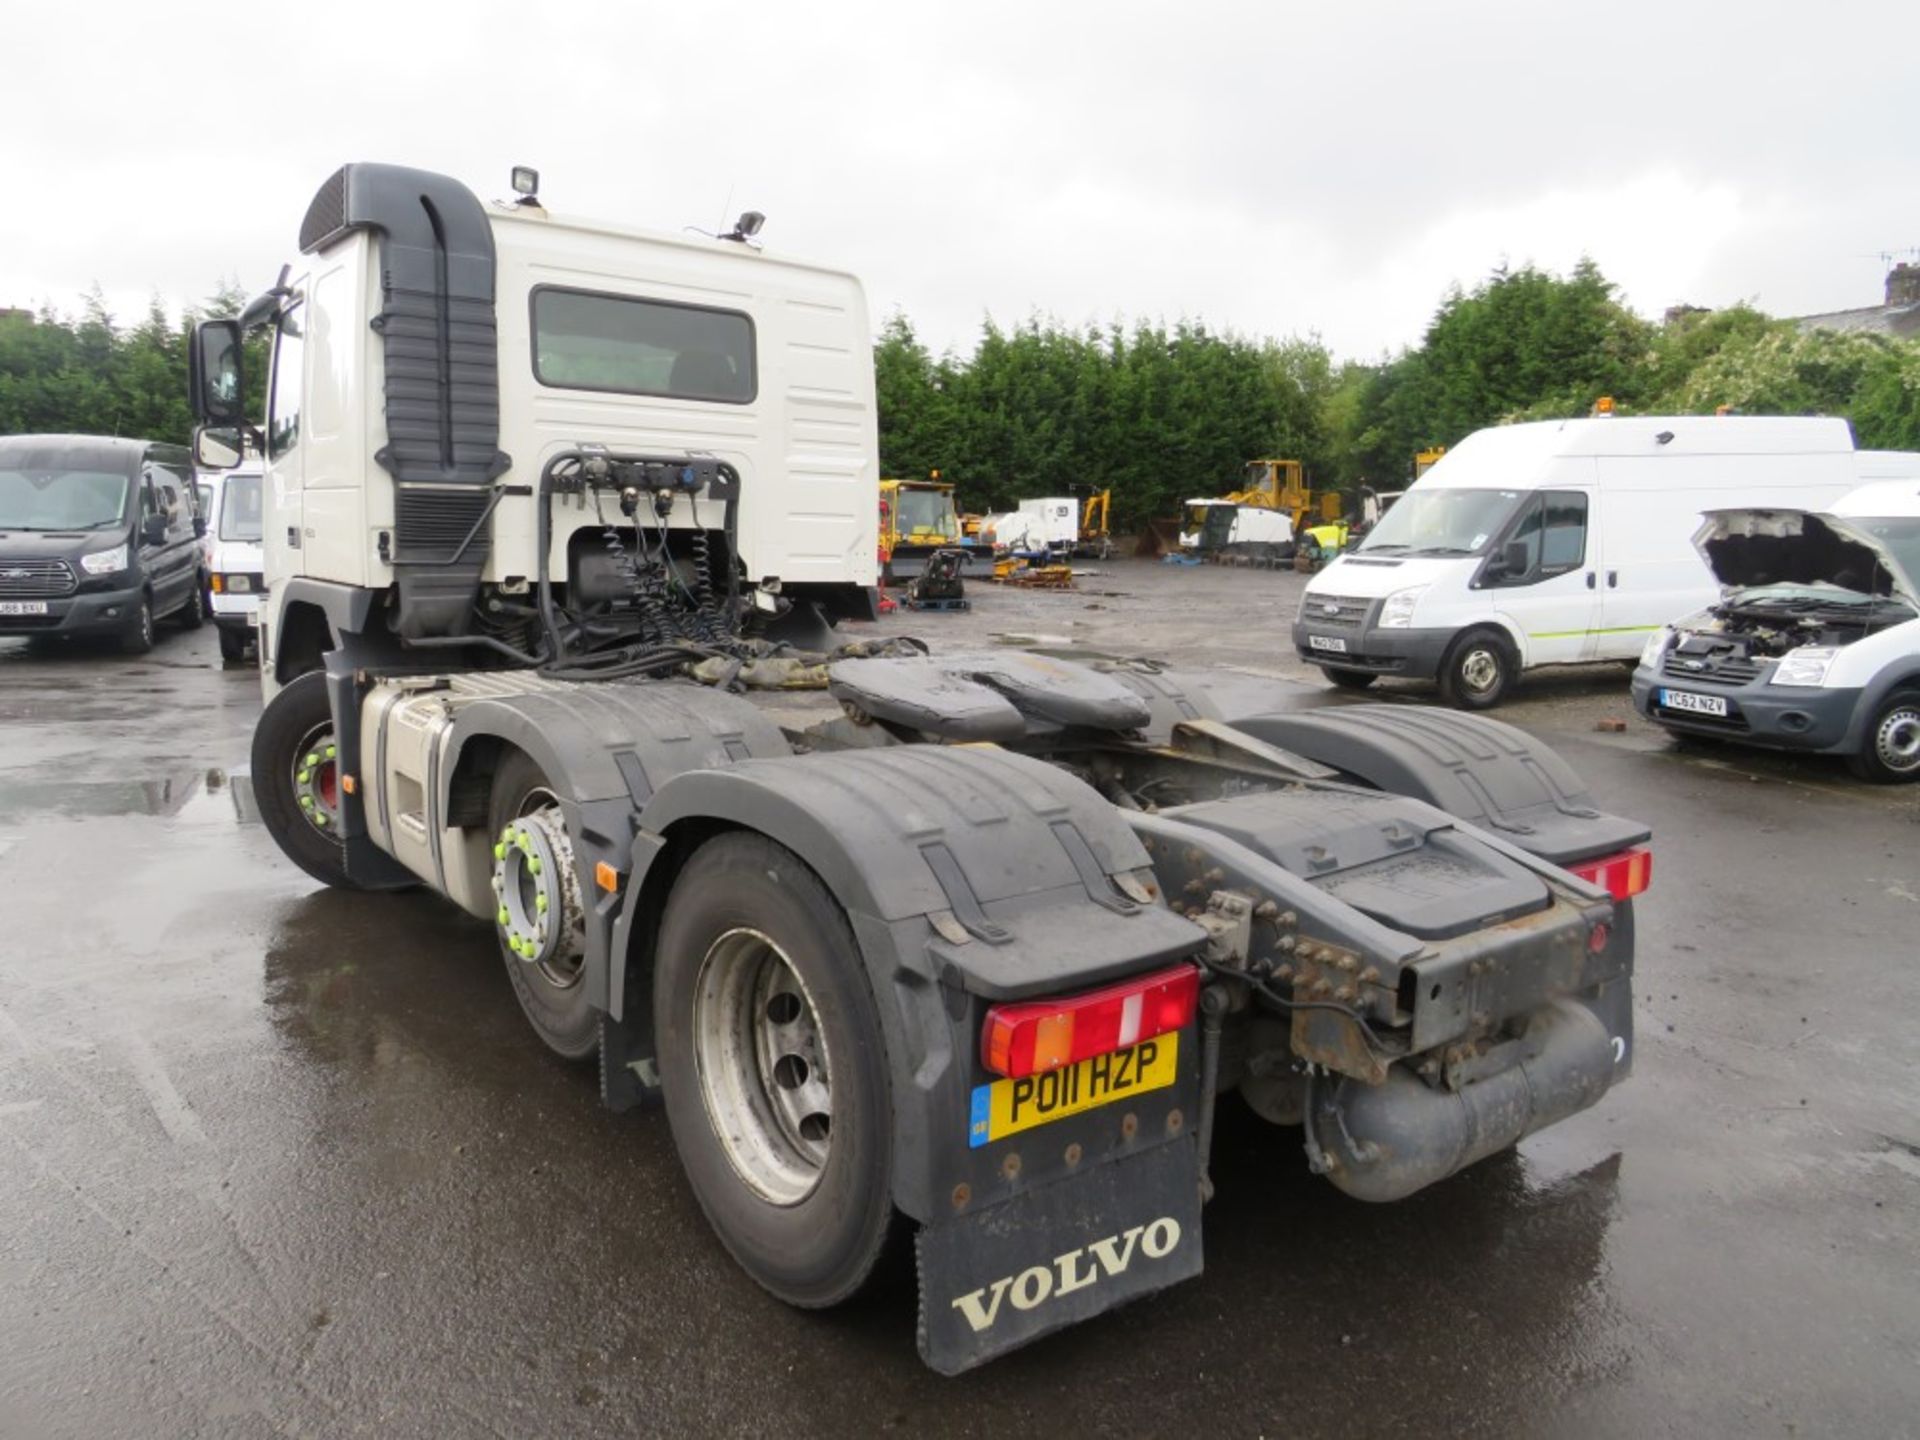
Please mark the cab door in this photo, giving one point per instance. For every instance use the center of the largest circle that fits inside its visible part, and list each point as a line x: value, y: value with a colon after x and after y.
x: 1553, y: 599
x: 283, y: 489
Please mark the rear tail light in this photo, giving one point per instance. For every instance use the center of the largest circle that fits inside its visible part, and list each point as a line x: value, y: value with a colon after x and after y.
x: 1622, y: 876
x: 1032, y: 1036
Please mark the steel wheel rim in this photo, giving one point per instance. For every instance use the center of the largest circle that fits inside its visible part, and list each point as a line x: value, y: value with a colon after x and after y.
x: 1898, y: 741
x: 561, y: 971
x: 315, y: 774
x: 1480, y: 670
x: 765, y: 1074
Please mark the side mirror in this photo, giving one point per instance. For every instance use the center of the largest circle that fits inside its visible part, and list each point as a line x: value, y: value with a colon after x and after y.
x: 216, y: 378
x: 1515, y: 559
x: 153, y: 530
x: 217, y: 447
x: 199, y: 527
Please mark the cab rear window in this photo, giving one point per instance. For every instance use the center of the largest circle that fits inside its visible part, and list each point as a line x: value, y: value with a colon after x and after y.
x: 585, y: 340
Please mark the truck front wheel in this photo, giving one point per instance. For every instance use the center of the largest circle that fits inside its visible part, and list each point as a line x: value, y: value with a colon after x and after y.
x: 296, y: 779
x: 774, y: 1069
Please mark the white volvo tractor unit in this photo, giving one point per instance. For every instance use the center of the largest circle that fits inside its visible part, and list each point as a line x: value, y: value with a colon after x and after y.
x: 955, y: 950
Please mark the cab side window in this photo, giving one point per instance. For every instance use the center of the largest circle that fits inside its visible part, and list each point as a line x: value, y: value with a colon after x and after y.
x: 283, y: 399
x: 1553, y: 528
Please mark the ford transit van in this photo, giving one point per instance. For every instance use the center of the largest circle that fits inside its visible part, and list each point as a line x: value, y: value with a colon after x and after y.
x: 98, y: 536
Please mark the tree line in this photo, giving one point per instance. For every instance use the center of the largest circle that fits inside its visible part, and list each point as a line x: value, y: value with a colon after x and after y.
x: 1160, y: 413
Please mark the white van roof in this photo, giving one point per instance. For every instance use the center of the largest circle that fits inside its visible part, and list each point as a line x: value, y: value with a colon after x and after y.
x: 1516, y: 452
x: 1884, y: 500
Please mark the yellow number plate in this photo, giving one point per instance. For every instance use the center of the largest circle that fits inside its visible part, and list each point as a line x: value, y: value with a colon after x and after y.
x: 1006, y: 1107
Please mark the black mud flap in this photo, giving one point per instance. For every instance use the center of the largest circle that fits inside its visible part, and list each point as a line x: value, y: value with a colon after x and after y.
x: 992, y: 1281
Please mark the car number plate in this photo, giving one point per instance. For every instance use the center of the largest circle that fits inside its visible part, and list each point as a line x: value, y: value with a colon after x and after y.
x: 1699, y: 704
x: 23, y: 607
x: 1006, y: 1107
x: 1331, y: 643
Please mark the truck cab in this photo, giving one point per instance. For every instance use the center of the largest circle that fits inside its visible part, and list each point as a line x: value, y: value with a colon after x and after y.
x: 433, y: 354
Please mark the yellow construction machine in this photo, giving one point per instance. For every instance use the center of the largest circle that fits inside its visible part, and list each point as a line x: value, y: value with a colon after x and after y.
x: 1282, y: 485
x: 918, y: 519
x: 1096, y: 534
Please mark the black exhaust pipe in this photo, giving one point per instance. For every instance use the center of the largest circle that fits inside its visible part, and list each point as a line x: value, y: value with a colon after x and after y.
x: 1384, y: 1142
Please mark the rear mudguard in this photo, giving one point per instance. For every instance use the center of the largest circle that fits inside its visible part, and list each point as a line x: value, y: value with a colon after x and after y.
x: 1476, y: 769
x: 970, y: 876
x: 1484, y: 771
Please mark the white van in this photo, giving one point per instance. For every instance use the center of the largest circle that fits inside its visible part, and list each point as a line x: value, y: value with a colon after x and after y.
x: 1555, y: 543
x: 1815, y: 641
x: 236, y: 563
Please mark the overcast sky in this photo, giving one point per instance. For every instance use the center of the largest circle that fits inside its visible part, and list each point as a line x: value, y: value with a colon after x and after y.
x: 1272, y: 168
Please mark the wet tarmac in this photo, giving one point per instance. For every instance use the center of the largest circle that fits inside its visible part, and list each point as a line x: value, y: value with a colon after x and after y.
x: 278, y: 1160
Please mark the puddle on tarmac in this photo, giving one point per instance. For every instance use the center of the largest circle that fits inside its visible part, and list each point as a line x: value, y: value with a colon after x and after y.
x: 193, y: 796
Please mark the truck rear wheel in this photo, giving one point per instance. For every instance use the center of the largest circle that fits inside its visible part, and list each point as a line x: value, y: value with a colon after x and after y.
x: 549, y: 980
x: 774, y: 1070
x: 296, y: 778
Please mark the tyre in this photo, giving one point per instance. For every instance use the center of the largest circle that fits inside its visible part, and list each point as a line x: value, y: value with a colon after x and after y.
x: 233, y: 644
x: 192, y: 613
x: 1349, y: 679
x: 137, y: 639
x: 1889, y: 752
x: 774, y: 1070
x: 1478, y: 671
x: 296, y: 779
x: 549, y: 982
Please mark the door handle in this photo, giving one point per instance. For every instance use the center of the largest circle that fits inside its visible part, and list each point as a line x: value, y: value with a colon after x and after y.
x: 1590, y: 580
x: 1613, y: 579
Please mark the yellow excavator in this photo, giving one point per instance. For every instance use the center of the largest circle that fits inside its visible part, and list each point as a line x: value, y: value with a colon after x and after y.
x: 1096, y: 534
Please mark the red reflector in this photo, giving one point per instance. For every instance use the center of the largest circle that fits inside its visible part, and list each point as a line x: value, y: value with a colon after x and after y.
x: 1622, y: 876
x: 1030, y: 1036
